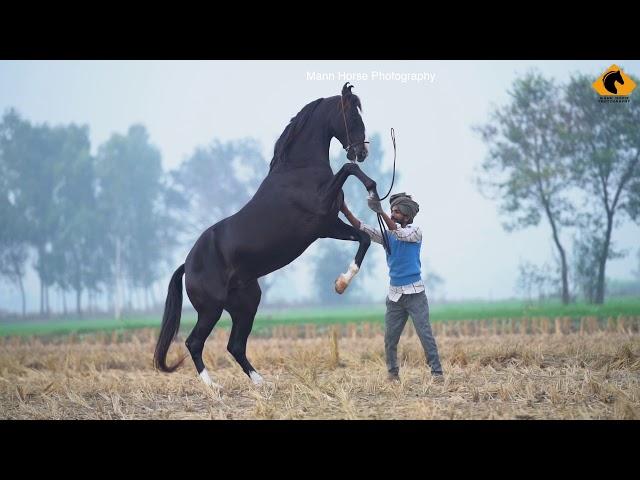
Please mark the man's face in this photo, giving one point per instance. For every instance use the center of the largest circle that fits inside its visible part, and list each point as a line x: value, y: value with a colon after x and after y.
x: 398, y: 217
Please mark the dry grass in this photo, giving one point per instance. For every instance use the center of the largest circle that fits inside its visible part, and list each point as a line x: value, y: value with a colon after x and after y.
x: 487, y: 377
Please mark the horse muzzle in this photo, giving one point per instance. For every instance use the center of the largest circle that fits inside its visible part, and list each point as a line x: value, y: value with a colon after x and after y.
x: 358, y: 153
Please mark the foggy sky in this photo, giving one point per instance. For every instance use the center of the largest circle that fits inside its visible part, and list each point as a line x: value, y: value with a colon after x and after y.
x: 185, y: 104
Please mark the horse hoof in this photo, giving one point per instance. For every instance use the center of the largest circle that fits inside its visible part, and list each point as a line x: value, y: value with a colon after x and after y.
x: 341, y: 284
x: 256, y: 378
x: 206, y: 379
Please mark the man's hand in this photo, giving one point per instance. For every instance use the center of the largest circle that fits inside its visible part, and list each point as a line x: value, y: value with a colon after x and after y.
x: 375, y: 205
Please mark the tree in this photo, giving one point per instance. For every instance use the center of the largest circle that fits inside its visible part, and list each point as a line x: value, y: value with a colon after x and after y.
x: 539, y: 279
x: 604, y: 142
x: 13, y: 240
x: 32, y: 155
x: 78, y: 249
x: 626, y: 287
x: 219, y: 180
x: 13, y: 257
x: 130, y: 195
x: 526, y: 169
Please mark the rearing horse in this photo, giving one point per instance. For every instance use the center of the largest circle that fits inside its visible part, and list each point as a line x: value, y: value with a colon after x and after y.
x: 297, y: 203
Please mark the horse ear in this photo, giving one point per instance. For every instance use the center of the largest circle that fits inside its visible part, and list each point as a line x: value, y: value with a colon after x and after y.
x: 346, y: 89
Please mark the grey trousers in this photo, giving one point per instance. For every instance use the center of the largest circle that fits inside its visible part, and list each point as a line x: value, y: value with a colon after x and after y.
x: 417, y: 306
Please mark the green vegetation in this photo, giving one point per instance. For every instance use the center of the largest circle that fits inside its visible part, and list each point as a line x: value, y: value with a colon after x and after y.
x: 326, y: 316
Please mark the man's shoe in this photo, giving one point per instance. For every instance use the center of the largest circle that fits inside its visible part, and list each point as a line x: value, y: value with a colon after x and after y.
x: 438, y: 378
x: 393, y: 377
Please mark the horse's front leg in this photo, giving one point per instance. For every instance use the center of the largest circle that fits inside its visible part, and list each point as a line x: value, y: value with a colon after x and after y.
x: 341, y: 231
x: 330, y: 193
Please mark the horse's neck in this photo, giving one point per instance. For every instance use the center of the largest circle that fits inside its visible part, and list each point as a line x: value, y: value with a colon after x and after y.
x: 310, y: 149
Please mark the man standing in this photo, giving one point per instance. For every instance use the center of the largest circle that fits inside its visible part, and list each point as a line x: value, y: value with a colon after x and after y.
x: 406, y: 291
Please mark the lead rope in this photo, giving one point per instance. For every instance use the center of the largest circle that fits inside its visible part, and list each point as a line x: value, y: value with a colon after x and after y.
x: 381, y: 222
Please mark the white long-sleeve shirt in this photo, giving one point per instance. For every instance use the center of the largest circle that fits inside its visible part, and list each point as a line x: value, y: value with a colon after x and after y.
x: 409, y: 233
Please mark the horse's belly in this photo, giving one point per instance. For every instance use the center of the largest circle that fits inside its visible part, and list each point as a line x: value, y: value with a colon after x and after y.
x: 258, y: 261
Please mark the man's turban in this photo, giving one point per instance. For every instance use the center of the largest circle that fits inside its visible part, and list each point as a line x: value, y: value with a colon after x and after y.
x: 405, y: 204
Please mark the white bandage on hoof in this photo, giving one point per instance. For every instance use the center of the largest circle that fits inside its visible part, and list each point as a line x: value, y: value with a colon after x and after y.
x: 204, y: 376
x: 353, y: 269
x: 343, y: 280
x: 256, y: 378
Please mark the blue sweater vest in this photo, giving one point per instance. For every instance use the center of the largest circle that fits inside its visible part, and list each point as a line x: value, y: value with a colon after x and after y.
x: 404, y: 261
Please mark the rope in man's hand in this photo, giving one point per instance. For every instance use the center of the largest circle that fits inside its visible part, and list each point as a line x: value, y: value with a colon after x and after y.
x: 378, y: 208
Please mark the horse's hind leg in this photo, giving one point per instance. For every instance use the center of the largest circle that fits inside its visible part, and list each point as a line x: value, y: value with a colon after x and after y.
x: 242, y: 305
x: 207, y: 319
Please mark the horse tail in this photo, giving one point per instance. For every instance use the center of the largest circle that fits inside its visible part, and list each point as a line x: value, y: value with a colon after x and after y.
x: 170, y: 322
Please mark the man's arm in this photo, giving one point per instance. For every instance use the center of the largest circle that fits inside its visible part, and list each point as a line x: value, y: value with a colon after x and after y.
x: 374, y: 234
x: 347, y: 213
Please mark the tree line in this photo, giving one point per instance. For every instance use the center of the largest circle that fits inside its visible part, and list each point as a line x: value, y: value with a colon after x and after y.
x: 559, y: 156
x: 105, y: 227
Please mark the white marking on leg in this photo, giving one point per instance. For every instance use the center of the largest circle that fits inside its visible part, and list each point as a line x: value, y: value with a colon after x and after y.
x: 354, y: 268
x: 256, y: 378
x: 349, y: 274
x: 204, y: 376
x: 344, y: 279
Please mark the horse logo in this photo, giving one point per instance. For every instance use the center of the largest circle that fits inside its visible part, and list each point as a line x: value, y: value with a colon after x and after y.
x: 614, y: 83
x: 609, y: 80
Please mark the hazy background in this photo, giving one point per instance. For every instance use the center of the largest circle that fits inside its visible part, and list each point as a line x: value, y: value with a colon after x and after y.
x: 189, y: 104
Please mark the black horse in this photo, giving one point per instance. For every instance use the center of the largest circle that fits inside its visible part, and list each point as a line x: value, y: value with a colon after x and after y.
x: 297, y: 203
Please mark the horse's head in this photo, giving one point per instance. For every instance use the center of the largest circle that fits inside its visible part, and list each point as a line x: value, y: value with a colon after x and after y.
x: 610, y: 80
x: 348, y: 126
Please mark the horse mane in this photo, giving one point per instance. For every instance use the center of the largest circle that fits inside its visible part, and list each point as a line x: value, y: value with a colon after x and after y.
x: 295, y: 125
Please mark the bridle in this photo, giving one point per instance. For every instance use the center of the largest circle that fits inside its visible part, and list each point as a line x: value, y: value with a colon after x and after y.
x: 346, y: 129
x: 350, y: 145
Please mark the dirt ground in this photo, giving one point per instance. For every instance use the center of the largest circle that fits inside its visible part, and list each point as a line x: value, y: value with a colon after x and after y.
x: 511, y: 376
